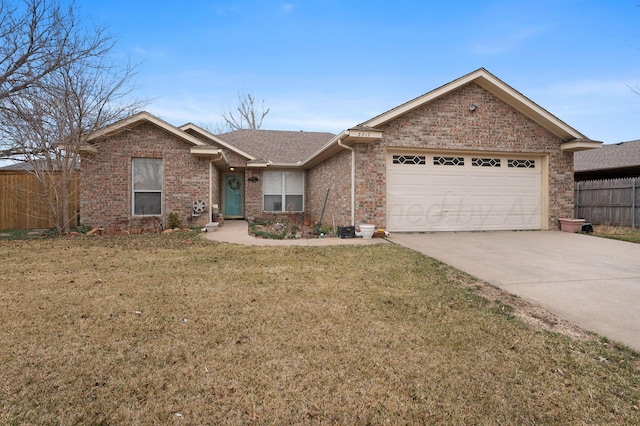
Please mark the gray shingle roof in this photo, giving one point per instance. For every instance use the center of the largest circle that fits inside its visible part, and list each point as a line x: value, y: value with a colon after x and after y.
x: 613, y: 156
x: 17, y: 166
x: 277, y: 146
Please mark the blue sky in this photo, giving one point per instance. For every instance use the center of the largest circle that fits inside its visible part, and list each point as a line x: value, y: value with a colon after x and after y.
x: 328, y: 65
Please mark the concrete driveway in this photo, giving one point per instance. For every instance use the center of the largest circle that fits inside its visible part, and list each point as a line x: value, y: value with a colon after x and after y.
x: 593, y: 282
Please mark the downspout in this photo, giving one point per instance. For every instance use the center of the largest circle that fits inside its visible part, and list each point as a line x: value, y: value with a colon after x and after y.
x: 353, y: 180
x: 210, y: 218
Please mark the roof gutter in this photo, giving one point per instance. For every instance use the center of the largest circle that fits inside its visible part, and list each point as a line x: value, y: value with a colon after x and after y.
x: 353, y: 179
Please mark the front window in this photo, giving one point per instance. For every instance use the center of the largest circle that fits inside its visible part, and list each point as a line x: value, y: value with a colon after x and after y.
x: 147, y: 186
x: 283, y: 191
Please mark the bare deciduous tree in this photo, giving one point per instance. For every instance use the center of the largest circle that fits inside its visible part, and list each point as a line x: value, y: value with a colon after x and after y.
x: 246, y: 115
x: 45, y: 121
x: 38, y: 37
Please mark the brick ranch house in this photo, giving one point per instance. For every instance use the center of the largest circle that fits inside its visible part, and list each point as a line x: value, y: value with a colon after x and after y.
x: 474, y: 154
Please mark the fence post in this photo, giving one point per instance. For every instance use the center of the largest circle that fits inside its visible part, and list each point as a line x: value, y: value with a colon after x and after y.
x: 633, y: 202
x: 577, y: 200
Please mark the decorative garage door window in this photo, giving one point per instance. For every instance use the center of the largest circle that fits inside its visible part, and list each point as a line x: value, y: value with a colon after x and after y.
x: 485, y: 162
x: 521, y: 164
x: 448, y: 161
x: 409, y: 159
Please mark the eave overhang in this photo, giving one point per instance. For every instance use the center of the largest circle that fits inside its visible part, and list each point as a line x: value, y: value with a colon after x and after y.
x: 217, y: 140
x: 580, y: 145
x: 216, y: 155
x: 263, y: 164
x: 350, y: 137
x: 257, y: 164
x: 90, y: 149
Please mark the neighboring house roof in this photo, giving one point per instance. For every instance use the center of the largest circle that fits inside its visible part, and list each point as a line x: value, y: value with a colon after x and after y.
x: 623, y: 154
x: 277, y: 146
x: 17, y: 167
x: 27, y: 166
x: 620, y: 159
x: 503, y: 91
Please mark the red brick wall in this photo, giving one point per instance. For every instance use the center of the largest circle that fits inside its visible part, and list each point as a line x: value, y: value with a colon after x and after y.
x: 335, y: 174
x: 253, y: 193
x: 106, y: 196
x: 447, y: 123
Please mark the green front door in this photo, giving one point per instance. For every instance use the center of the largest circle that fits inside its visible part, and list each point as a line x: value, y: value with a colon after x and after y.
x: 233, y: 194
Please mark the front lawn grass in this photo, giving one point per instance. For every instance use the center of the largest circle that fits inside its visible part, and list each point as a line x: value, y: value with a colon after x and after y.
x: 623, y: 233
x: 173, y: 329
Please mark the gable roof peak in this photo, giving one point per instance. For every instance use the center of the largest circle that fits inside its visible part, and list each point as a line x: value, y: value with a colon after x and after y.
x: 498, y: 88
x: 137, y: 119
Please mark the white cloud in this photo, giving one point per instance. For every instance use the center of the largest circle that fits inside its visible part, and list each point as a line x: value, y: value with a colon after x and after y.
x: 287, y: 8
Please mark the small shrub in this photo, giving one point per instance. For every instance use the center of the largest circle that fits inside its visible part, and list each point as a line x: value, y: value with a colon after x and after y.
x: 325, y: 229
x: 174, y: 221
x: 270, y: 229
x: 83, y: 229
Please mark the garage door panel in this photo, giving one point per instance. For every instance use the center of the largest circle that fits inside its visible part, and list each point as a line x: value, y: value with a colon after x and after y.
x: 485, y: 200
x: 522, y: 181
x: 461, y: 198
x: 521, y: 200
x: 448, y: 181
x: 410, y: 179
x: 486, y: 182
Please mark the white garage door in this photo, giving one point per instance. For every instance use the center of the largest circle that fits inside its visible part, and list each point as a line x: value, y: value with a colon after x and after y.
x: 470, y: 192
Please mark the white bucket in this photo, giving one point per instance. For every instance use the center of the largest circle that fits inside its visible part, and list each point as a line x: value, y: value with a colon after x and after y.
x: 367, y: 231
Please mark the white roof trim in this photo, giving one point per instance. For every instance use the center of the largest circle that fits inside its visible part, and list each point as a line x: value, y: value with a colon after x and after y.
x: 347, y: 137
x: 191, y: 126
x: 205, y: 150
x: 497, y: 87
x: 580, y: 145
x: 126, y: 123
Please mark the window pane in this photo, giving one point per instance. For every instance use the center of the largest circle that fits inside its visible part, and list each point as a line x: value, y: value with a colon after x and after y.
x: 272, y: 182
x: 147, y: 174
x: 273, y: 203
x: 147, y: 203
x: 294, y: 203
x: 294, y: 183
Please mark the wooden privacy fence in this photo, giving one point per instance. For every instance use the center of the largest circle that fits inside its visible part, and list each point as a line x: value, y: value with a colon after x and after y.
x: 23, y: 204
x: 608, y: 202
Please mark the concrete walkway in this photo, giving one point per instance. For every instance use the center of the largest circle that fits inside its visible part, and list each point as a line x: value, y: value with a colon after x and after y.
x: 237, y: 231
x: 593, y: 282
